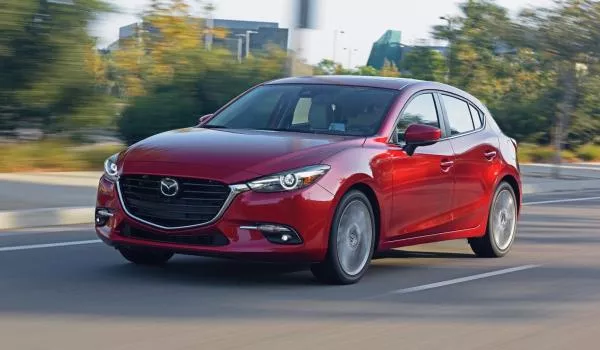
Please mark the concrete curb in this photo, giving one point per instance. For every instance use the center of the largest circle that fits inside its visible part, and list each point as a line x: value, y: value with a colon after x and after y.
x: 580, y: 185
x: 18, y: 219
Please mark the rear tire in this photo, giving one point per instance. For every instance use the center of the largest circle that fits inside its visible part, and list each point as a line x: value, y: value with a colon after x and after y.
x: 146, y: 257
x: 501, y: 226
x: 351, y: 242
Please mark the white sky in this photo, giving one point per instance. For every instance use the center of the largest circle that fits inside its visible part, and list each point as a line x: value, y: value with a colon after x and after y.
x: 363, y: 21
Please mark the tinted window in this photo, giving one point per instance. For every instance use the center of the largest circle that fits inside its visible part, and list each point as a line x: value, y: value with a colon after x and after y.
x: 327, y: 109
x: 459, y: 115
x: 421, y: 110
x: 246, y: 112
x: 476, y: 117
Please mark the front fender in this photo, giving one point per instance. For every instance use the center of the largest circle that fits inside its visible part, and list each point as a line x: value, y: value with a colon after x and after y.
x: 360, y: 167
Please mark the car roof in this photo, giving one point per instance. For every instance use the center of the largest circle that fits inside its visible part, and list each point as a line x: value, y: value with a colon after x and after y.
x: 352, y: 80
x: 375, y: 82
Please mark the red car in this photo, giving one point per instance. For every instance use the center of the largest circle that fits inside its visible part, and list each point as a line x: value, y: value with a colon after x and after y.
x: 323, y: 170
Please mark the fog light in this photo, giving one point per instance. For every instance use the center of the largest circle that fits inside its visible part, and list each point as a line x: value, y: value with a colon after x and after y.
x: 102, y: 216
x: 277, y: 234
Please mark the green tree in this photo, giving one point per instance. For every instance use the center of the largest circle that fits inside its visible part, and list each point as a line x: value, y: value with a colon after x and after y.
x: 49, y: 62
x: 389, y: 70
x: 567, y: 36
x: 367, y: 71
x: 202, y: 83
x: 425, y: 64
x: 475, y: 36
x: 167, y: 39
x: 328, y: 67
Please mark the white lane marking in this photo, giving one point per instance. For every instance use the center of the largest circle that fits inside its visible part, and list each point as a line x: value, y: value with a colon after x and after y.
x: 49, y: 245
x: 563, y: 201
x: 460, y: 280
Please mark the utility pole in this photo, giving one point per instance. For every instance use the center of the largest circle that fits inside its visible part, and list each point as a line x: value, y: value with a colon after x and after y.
x: 210, y: 24
x: 350, y: 51
x: 335, y: 35
x: 450, y: 37
x: 240, y: 41
x: 248, y: 32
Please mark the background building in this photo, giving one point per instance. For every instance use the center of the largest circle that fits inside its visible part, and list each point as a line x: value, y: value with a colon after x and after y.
x: 389, y: 47
x: 267, y: 33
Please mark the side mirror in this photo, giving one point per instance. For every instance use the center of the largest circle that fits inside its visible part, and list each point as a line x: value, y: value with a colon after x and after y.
x: 203, y: 119
x: 417, y: 135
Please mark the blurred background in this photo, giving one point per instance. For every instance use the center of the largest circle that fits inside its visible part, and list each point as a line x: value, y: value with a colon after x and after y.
x: 82, y: 79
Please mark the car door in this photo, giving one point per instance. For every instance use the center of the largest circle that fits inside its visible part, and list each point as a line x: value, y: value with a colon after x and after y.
x: 476, y: 150
x: 424, y: 182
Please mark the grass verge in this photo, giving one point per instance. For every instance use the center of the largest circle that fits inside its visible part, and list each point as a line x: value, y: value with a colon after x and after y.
x: 54, y: 156
x: 530, y: 153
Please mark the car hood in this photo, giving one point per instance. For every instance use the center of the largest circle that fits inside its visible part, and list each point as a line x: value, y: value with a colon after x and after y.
x: 229, y: 155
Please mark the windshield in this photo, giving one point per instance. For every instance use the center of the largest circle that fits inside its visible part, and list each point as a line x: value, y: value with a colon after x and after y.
x: 327, y: 109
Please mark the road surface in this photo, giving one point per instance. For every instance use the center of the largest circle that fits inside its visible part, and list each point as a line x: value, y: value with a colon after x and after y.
x: 76, y: 293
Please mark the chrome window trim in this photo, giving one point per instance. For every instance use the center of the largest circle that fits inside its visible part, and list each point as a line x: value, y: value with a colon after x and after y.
x: 463, y: 134
x: 468, y: 102
x: 235, y: 190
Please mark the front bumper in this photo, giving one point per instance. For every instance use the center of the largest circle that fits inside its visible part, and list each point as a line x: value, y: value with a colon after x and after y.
x: 238, y: 233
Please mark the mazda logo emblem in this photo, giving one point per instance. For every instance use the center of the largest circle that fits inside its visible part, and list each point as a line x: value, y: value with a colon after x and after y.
x: 169, y: 187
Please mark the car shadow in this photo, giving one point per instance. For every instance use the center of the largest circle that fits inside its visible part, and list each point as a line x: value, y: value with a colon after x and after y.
x: 407, y: 254
x: 225, y: 272
x: 216, y: 271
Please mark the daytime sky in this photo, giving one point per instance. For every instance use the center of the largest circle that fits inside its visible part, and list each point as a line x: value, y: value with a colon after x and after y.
x: 362, y: 21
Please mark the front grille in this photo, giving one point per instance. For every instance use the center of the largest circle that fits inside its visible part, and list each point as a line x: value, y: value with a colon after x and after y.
x: 197, y: 201
x: 213, y: 239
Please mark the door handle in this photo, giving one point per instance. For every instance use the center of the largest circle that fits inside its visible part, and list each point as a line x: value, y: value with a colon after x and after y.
x: 490, y: 155
x: 446, y: 165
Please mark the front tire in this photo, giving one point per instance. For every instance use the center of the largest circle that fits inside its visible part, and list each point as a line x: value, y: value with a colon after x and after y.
x: 145, y: 257
x: 501, y: 226
x: 351, y: 242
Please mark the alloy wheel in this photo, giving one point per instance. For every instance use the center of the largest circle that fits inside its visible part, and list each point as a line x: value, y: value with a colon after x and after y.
x: 504, y: 219
x: 355, y: 236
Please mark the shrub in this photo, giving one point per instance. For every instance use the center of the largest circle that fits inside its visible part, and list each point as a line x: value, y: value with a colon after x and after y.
x: 568, y: 156
x: 93, y: 158
x: 589, y: 152
x: 158, y: 112
x: 53, y: 156
x: 531, y: 153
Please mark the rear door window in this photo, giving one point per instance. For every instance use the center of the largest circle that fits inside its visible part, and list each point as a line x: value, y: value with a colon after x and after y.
x: 459, y: 115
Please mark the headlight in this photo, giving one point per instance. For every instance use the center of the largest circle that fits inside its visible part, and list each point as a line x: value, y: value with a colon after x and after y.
x: 289, y: 180
x: 110, y: 167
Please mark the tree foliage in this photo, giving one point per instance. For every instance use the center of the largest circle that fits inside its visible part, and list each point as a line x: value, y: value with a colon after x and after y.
x: 170, y: 79
x: 425, y: 64
x: 49, y: 66
x: 533, y: 72
x: 538, y: 73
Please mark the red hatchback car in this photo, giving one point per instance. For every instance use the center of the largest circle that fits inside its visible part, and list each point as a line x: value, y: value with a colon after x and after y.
x: 322, y: 170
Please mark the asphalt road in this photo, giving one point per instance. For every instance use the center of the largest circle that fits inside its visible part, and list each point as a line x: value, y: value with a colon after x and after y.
x: 544, y: 295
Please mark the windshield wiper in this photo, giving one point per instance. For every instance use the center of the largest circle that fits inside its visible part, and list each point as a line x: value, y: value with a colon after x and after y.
x: 214, y: 127
x: 274, y: 129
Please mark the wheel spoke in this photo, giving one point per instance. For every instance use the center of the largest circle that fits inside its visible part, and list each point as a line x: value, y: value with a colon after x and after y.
x: 503, y: 219
x: 354, y: 237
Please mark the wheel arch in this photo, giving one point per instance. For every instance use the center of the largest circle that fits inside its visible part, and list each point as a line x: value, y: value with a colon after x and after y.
x: 512, y: 181
x: 369, y: 192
